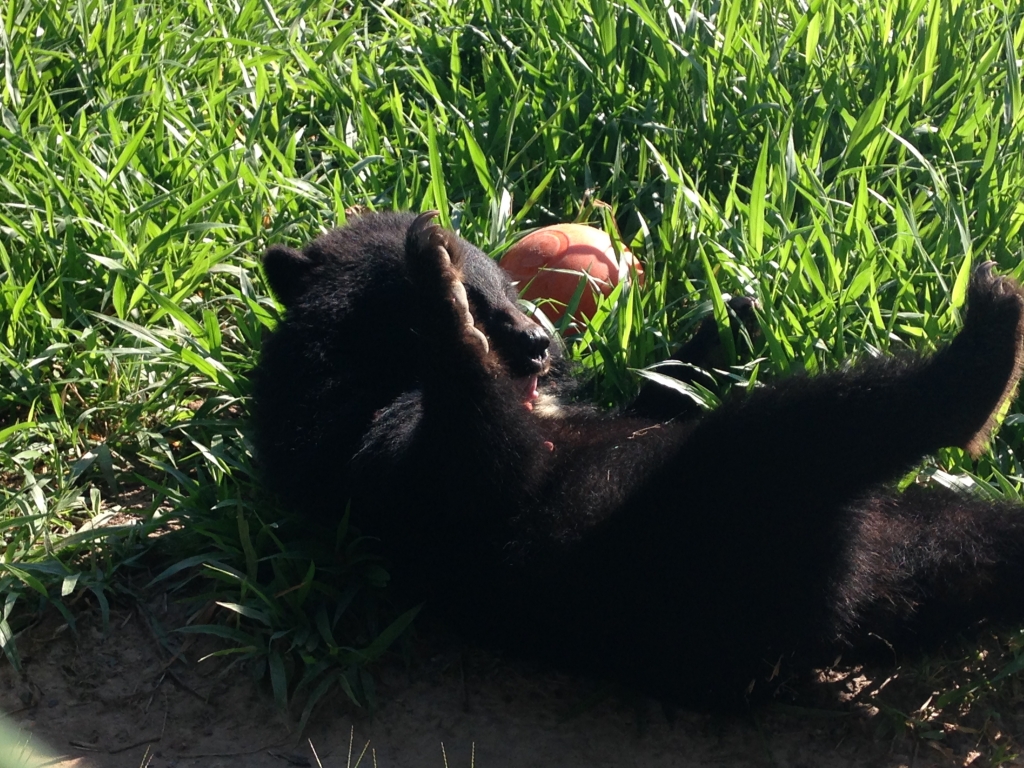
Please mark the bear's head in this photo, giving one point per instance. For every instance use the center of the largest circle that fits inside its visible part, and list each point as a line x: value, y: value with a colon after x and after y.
x: 348, y: 296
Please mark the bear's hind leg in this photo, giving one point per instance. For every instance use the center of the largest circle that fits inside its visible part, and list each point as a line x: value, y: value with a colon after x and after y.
x: 926, y: 564
x: 994, y: 332
x: 830, y: 438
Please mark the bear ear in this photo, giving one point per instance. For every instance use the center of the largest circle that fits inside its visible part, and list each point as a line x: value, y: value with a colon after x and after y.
x: 286, y: 270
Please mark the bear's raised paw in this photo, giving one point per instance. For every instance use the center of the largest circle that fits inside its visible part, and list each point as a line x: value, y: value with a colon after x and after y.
x: 994, y: 301
x: 434, y: 265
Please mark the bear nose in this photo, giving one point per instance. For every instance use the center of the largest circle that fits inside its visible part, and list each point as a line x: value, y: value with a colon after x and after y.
x: 537, y: 341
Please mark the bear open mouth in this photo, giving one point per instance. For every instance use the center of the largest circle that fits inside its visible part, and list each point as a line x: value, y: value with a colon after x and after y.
x: 526, y: 390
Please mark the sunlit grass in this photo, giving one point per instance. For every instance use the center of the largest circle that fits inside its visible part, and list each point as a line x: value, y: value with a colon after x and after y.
x: 845, y: 163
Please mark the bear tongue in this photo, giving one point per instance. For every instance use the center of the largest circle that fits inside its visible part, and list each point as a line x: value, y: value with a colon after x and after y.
x: 527, y: 390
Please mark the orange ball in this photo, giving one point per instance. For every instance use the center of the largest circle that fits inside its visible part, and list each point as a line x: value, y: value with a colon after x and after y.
x: 550, y: 262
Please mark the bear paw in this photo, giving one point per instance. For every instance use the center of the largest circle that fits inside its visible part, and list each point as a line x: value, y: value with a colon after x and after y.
x: 991, y: 293
x: 434, y: 261
x: 995, y: 304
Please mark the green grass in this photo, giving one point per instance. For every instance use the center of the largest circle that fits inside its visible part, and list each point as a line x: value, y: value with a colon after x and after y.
x: 845, y: 163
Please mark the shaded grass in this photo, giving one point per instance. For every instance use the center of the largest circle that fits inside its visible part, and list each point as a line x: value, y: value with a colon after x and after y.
x: 846, y: 163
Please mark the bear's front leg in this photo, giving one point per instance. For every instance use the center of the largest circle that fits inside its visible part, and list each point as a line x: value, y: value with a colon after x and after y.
x: 462, y: 374
x: 697, y: 357
x: 466, y: 441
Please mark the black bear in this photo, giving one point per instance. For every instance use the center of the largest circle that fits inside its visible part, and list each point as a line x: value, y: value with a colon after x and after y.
x: 683, y: 552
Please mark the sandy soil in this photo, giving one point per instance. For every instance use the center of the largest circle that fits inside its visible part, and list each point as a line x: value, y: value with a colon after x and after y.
x: 119, y: 700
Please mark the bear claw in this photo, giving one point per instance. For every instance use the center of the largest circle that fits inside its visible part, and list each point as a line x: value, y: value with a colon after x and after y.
x: 461, y: 302
x: 422, y: 223
x: 987, y: 286
x: 460, y: 298
x: 477, y: 336
x: 985, y: 268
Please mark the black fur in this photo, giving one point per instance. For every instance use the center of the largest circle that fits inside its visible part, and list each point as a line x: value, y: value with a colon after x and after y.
x: 685, y: 553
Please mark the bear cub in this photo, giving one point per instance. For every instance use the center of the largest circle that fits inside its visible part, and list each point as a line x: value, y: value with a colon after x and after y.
x: 684, y: 552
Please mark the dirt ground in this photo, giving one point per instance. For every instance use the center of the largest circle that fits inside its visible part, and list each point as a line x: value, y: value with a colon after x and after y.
x: 116, y: 700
